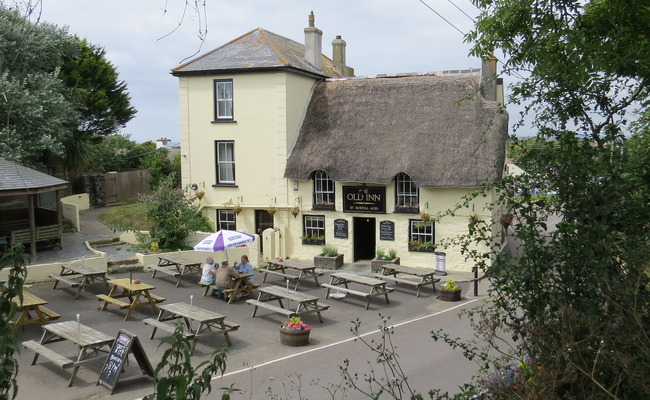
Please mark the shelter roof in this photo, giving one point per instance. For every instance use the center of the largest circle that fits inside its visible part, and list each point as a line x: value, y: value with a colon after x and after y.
x: 16, y: 179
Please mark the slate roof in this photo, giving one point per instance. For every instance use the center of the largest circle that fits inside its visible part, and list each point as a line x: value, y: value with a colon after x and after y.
x: 434, y: 127
x: 16, y: 179
x: 258, y: 49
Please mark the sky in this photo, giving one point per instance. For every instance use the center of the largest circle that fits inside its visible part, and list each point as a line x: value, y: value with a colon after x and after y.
x: 145, y: 39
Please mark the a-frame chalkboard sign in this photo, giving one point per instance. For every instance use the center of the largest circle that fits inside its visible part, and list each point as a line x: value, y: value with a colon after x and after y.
x: 124, y: 344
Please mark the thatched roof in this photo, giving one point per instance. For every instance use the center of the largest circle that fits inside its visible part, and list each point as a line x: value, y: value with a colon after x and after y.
x: 16, y: 179
x: 258, y: 49
x: 367, y: 130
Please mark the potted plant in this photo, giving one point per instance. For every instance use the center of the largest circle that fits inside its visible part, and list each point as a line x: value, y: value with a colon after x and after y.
x: 295, y: 210
x: 416, y: 245
x: 329, y: 258
x: 318, y: 240
x: 294, y: 332
x: 450, y: 291
x: 506, y: 220
x: 238, y: 208
x: 425, y: 216
x: 272, y: 210
x: 382, y: 258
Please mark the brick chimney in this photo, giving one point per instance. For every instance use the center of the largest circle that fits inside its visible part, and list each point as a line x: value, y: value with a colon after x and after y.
x: 489, y: 78
x: 313, y: 44
x: 338, y: 56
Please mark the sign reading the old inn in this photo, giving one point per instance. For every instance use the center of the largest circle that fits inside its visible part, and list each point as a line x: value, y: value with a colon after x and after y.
x: 364, y: 199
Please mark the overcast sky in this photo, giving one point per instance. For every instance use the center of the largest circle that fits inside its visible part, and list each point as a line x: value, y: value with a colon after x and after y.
x: 383, y: 36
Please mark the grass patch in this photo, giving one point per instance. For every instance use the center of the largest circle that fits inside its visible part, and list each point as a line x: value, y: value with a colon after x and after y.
x: 126, y: 217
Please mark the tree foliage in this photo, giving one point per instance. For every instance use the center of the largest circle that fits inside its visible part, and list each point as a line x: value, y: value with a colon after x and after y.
x: 574, y: 297
x: 173, y: 214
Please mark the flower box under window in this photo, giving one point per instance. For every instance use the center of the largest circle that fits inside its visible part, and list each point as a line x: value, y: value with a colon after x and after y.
x: 323, y: 206
x: 407, y: 209
x: 313, y: 240
x: 421, y: 246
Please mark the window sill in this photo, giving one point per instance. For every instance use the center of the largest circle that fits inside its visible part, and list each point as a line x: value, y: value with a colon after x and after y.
x: 327, y: 207
x: 224, y: 121
x: 232, y: 185
x: 406, y: 210
x: 314, y: 242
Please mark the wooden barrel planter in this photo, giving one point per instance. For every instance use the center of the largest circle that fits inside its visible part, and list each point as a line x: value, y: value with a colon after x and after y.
x: 449, y: 295
x: 294, y: 338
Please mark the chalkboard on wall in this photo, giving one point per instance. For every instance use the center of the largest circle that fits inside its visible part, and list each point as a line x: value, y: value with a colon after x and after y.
x: 386, y: 230
x: 124, y: 344
x: 341, y: 228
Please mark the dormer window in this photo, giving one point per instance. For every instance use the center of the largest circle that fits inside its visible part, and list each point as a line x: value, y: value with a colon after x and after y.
x: 407, y: 195
x: 323, y: 191
x: 223, y: 107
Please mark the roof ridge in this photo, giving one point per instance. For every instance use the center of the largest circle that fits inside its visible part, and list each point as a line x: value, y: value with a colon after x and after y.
x: 277, y: 52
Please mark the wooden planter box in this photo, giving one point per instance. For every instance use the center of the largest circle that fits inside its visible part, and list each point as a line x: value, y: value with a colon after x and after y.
x: 376, y: 264
x: 328, y: 262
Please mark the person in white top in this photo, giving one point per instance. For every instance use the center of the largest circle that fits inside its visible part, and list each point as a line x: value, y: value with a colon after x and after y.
x: 208, y: 273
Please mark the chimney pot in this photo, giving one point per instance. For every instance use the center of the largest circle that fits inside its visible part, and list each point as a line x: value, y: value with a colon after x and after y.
x: 313, y: 44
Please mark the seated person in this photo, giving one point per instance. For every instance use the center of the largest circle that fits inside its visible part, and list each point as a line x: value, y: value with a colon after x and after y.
x: 245, y: 267
x: 225, y: 275
x: 207, y: 274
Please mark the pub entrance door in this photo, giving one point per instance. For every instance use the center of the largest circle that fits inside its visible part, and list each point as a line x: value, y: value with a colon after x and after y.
x: 263, y: 220
x: 364, y: 238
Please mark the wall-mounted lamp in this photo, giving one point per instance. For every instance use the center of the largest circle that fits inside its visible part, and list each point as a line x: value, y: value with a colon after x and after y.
x: 194, y: 186
x: 295, y: 185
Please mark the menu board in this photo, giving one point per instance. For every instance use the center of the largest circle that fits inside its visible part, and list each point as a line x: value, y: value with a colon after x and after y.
x: 386, y: 230
x: 124, y: 344
x: 341, y: 228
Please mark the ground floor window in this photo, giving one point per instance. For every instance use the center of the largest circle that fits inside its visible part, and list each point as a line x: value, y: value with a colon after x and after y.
x: 421, y: 235
x: 313, y: 229
x: 226, y: 219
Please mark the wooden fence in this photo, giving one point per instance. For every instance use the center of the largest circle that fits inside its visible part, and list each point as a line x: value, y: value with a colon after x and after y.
x: 123, y: 185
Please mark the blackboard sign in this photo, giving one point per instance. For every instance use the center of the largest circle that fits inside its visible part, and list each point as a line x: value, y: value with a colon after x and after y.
x: 124, y: 344
x: 341, y: 228
x: 386, y: 230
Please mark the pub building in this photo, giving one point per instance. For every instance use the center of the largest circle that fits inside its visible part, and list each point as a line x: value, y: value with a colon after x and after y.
x: 290, y: 145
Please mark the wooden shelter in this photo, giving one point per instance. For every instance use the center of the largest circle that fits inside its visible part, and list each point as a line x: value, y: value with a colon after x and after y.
x: 30, y: 210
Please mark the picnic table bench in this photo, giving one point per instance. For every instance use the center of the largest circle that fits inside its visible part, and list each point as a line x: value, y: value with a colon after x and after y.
x: 340, y: 281
x: 305, y: 303
x: 279, y: 268
x: 181, y: 266
x: 425, y: 277
x: 88, y: 340
x: 138, y: 294
x: 33, y: 311
x: 206, y: 322
x: 80, y: 276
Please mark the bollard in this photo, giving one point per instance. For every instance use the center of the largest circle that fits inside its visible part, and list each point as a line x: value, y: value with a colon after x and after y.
x: 475, y: 270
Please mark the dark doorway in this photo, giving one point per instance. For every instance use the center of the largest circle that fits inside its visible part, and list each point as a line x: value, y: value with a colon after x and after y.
x: 263, y: 220
x: 364, y: 238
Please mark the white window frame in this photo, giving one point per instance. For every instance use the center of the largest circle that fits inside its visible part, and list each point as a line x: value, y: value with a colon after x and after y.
x: 226, y: 219
x: 323, y: 190
x: 226, y: 163
x: 406, y: 193
x: 422, y: 232
x: 314, y: 225
x: 223, y: 99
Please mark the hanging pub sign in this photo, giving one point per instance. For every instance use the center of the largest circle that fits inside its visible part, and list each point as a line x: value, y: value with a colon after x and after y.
x: 341, y: 228
x: 364, y: 199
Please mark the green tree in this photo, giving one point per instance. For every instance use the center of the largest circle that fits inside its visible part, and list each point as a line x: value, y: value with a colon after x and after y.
x: 35, y: 113
x: 575, y: 299
x: 173, y: 215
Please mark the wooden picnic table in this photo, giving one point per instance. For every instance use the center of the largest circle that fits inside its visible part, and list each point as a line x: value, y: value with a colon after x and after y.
x: 279, y: 268
x: 138, y: 294
x: 181, y: 266
x: 196, y: 322
x: 79, y: 276
x: 340, y: 280
x: 242, y: 285
x: 305, y: 303
x: 88, y: 340
x: 425, y: 276
x: 33, y: 311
